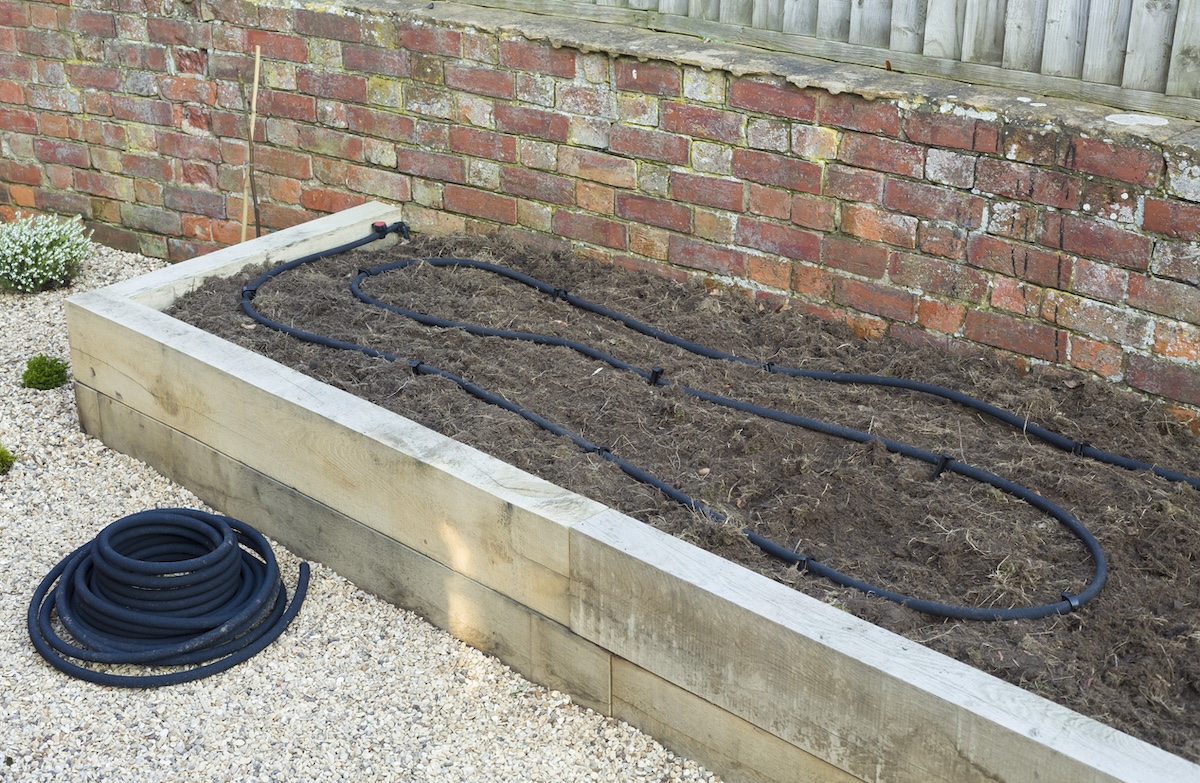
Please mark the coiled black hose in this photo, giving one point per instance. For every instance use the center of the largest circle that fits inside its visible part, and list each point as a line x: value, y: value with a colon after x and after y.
x: 942, y: 463
x: 168, y: 587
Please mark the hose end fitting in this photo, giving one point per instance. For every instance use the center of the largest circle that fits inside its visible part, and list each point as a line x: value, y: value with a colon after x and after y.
x: 943, y: 462
x: 1072, y: 600
x: 655, y: 376
x: 415, y: 366
x: 1078, y: 447
x: 248, y: 293
x: 380, y: 228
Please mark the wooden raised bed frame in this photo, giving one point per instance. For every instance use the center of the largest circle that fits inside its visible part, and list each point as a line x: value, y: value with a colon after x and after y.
x: 745, y: 675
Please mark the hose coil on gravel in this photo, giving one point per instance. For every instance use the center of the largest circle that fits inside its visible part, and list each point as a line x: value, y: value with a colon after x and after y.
x: 168, y: 587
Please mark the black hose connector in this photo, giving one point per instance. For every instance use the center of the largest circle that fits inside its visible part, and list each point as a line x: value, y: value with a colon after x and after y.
x: 170, y: 587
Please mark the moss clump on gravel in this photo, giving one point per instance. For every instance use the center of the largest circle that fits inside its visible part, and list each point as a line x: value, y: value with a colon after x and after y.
x: 41, y: 253
x: 7, y: 460
x: 44, y: 372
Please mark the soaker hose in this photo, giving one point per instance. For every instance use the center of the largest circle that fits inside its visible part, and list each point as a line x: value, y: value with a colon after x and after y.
x: 169, y: 587
x: 942, y: 463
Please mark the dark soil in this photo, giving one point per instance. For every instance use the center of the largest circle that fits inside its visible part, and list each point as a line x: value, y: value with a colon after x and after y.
x: 1130, y: 658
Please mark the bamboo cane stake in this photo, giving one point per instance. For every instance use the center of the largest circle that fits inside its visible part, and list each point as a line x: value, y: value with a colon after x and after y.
x: 246, y: 180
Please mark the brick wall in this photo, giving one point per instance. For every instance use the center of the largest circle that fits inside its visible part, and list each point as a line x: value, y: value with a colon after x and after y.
x: 932, y: 212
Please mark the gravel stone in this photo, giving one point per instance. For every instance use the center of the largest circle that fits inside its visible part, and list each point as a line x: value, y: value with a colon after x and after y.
x: 356, y: 689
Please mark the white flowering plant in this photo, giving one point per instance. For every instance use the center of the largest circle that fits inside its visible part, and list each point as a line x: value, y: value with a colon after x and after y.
x: 40, y: 253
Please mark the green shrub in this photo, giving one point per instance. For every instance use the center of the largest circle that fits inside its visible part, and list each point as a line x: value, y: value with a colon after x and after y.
x: 40, y: 253
x: 44, y: 372
x: 6, y: 460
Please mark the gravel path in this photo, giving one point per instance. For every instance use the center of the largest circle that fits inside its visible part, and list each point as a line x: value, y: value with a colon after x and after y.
x: 356, y: 689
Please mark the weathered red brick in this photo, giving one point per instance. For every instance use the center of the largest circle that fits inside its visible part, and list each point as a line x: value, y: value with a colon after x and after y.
x: 14, y: 13
x: 1165, y: 297
x: 480, y: 80
x: 1030, y: 144
x: 932, y: 201
x: 16, y: 172
x: 590, y: 228
x: 97, y: 77
x: 331, y: 143
x: 178, y: 32
x: 1015, y: 220
x: 182, y: 145
x: 1173, y: 218
x: 597, y: 167
x: 703, y: 122
x: 1015, y: 334
x: 65, y: 152
x: 944, y: 317
x: 537, y: 185
x: 1023, y: 262
x: 188, y: 89
x: 329, y: 200
x: 538, y: 57
x: 1136, y: 165
x: 654, y: 211
x: 705, y: 256
x: 481, y: 143
x: 934, y: 276
x: 1096, y: 240
x: 876, y: 299
x: 869, y: 222
x: 851, y: 184
x: 375, y: 60
x: 813, y: 212
x: 850, y: 255
x: 200, y: 202
x: 949, y: 130
x: 882, y: 154
x: 713, y: 192
x: 1093, y: 356
x: 649, y: 144
x: 1177, y: 260
x: 431, y: 165
x: 273, y: 160
x: 416, y: 36
x: 1099, y: 281
x: 851, y: 111
x: 785, y: 240
x: 779, y: 100
x: 654, y: 78
x: 771, y: 169
x: 291, y: 105
x: 480, y: 203
x: 1098, y: 320
x: 770, y: 202
x: 528, y: 121
x: 318, y: 24
x: 347, y: 87
x: 1028, y: 183
x: 947, y: 240
x: 143, y: 110
x: 148, y: 167
x: 1164, y: 378
x: 384, y: 124
x: 278, y: 46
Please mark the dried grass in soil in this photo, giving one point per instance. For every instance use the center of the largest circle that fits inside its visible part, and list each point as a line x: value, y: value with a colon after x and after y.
x: 1131, y: 658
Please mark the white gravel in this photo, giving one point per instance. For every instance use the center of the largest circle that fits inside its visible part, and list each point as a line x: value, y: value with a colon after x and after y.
x: 356, y: 689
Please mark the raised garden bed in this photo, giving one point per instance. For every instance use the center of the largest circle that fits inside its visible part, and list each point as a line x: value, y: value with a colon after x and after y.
x: 734, y: 669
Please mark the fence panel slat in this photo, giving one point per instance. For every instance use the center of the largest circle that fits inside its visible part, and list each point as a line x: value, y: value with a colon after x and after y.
x: 644, y: 5
x: 833, y: 20
x: 870, y: 22
x: 983, y: 35
x: 1066, y: 31
x: 800, y: 17
x: 908, y: 26
x: 1147, y: 56
x: 677, y: 7
x: 1107, y: 31
x: 739, y: 12
x: 767, y: 15
x: 1184, y: 76
x: 1024, y: 34
x: 944, y: 21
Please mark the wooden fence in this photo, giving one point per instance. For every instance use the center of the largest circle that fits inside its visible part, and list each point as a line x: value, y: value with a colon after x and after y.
x: 1137, y: 54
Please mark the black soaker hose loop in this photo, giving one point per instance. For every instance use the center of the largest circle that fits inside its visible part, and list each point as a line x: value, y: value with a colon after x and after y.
x: 1070, y: 601
x: 167, y: 587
